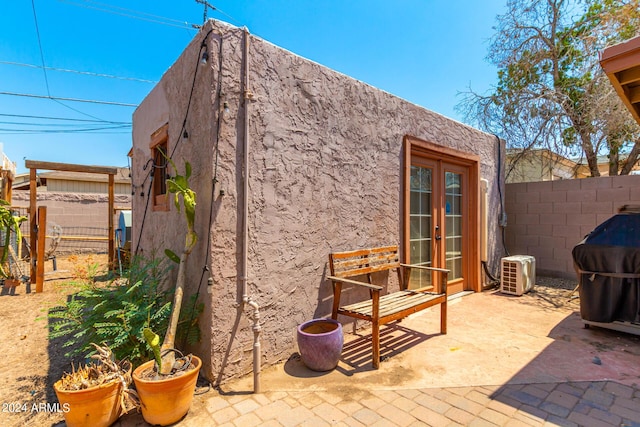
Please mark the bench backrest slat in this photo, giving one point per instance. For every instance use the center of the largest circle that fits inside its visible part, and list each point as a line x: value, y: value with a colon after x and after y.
x: 364, y: 261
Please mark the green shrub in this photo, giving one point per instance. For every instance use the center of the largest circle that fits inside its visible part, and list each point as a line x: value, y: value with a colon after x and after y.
x: 117, y: 313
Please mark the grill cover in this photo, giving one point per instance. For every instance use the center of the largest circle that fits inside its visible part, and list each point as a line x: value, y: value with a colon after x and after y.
x: 608, y: 267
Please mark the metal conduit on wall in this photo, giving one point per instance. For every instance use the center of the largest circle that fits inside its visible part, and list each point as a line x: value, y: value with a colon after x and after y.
x: 246, y: 299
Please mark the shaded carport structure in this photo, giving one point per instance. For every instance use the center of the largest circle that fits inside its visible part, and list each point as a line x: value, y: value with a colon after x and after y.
x: 37, y: 217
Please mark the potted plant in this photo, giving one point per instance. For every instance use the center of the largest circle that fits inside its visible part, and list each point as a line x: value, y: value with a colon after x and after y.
x: 166, y: 385
x: 120, y: 310
x: 9, y: 224
x: 97, y: 394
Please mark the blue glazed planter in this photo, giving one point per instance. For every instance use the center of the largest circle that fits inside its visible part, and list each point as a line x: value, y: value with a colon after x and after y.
x: 320, y: 343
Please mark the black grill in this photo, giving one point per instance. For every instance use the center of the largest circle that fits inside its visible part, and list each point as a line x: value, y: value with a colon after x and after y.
x: 608, y: 265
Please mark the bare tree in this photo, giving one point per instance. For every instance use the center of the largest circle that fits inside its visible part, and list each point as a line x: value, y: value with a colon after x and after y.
x: 551, y: 91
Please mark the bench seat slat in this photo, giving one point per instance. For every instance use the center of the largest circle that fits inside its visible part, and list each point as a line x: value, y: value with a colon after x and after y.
x: 391, y: 304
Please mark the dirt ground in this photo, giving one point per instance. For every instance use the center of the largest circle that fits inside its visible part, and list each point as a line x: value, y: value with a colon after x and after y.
x: 31, y: 363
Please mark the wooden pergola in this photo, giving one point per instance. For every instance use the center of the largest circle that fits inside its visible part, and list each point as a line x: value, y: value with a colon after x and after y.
x: 38, y: 216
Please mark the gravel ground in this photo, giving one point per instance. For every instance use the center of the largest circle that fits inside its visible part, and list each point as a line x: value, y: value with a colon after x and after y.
x: 556, y: 282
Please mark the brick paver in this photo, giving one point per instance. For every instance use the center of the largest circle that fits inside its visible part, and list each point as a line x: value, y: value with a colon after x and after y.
x: 597, y: 404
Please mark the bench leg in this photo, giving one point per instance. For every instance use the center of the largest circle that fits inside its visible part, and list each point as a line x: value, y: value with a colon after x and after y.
x: 443, y: 317
x: 337, y: 290
x: 375, y: 338
x: 375, y: 327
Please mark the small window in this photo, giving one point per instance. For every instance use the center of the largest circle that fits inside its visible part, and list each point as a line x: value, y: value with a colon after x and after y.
x: 159, y: 150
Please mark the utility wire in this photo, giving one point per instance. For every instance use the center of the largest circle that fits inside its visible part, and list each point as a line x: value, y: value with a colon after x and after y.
x: 216, y: 9
x: 130, y: 13
x: 58, y: 98
x: 52, y: 131
x: 44, y: 67
x: 59, y: 124
x: 88, y: 73
x: 62, y: 119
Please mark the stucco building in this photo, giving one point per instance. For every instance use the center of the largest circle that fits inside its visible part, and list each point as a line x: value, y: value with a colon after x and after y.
x: 316, y: 162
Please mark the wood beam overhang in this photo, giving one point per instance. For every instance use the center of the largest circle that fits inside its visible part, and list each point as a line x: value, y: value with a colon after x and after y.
x: 69, y: 167
x: 621, y: 63
x: 37, y: 262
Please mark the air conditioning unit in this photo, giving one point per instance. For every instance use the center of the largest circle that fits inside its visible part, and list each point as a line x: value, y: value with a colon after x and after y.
x: 518, y: 274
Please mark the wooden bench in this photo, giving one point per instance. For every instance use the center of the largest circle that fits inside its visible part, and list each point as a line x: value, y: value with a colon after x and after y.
x: 382, y: 309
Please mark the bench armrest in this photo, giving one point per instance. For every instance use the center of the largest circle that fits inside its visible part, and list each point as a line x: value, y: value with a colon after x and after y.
x: 422, y: 267
x: 354, y: 282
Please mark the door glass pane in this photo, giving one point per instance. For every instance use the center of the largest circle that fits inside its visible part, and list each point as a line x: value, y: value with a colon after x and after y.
x: 420, y: 225
x: 453, y: 217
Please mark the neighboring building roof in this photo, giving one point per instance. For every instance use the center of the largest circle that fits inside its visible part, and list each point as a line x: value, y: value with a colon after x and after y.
x: 539, y: 164
x: 621, y: 63
x: 22, y: 181
x: 542, y: 164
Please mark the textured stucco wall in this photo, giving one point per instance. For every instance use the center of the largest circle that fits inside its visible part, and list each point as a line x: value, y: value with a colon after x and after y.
x: 324, y: 174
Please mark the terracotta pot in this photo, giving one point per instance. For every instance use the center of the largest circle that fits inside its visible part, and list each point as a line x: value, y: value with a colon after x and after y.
x: 93, y: 407
x: 320, y: 343
x: 167, y: 401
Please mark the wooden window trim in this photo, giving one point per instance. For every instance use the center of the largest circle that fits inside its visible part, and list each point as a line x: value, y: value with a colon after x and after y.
x: 160, y: 202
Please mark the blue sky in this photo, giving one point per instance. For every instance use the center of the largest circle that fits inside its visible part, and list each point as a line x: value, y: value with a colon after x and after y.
x: 425, y: 51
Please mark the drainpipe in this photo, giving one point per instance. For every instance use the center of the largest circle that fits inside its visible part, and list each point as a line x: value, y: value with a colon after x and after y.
x: 246, y: 299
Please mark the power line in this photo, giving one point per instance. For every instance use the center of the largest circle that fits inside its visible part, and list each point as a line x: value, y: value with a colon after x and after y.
x: 103, y: 7
x: 157, y: 19
x: 79, y: 129
x: 130, y: 13
x: 48, y: 131
x: 88, y: 73
x: 62, y: 119
x: 44, y: 69
x: 57, y: 124
x: 212, y: 7
x: 44, y: 66
x: 57, y: 98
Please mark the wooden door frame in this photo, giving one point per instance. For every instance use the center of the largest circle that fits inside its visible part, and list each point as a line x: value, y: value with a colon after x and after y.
x: 413, y: 146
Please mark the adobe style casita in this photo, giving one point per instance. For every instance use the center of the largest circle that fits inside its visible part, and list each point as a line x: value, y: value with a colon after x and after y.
x: 292, y: 161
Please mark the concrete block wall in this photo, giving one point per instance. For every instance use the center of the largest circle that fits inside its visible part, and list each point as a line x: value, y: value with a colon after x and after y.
x: 547, y: 219
x: 79, y: 214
